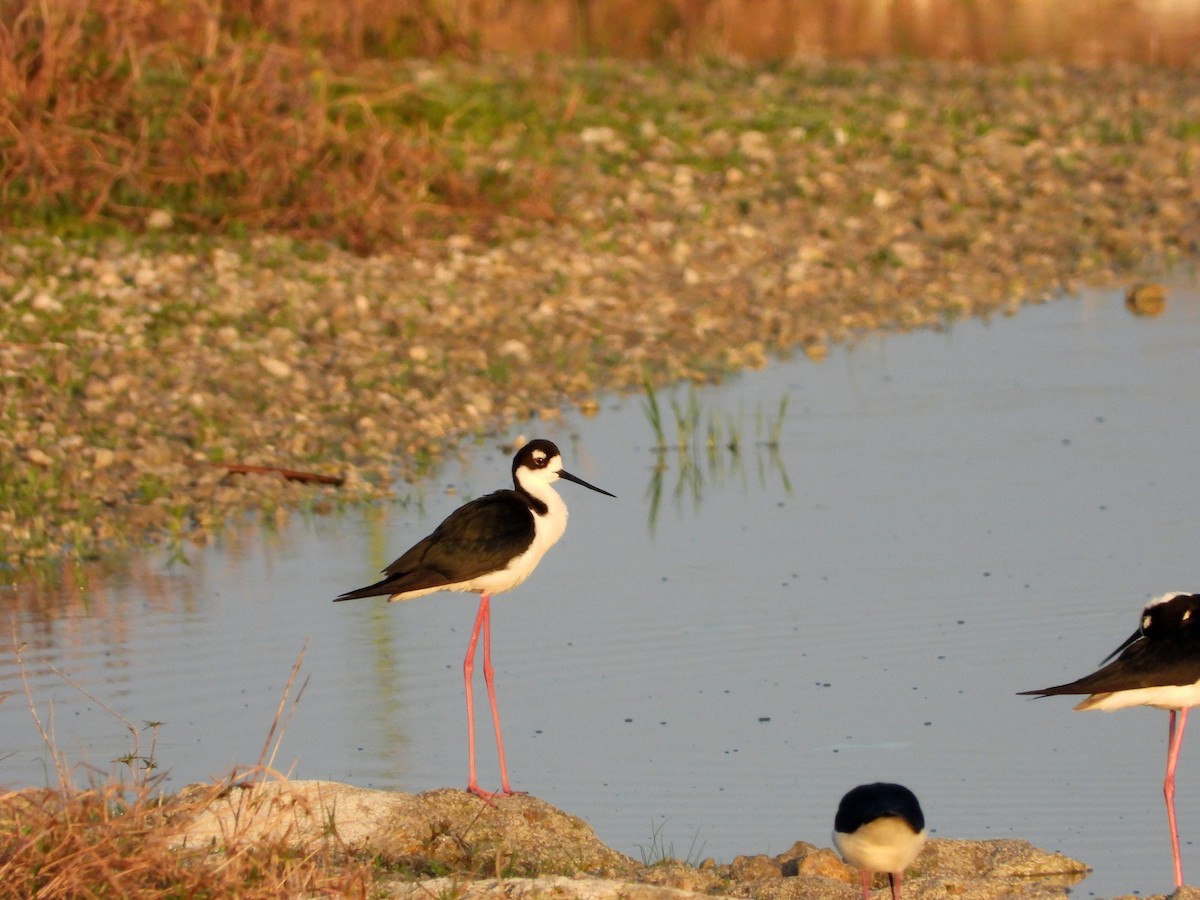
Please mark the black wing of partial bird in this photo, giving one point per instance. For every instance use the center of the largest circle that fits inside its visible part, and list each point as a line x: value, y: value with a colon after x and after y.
x: 868, y: 802
x: 1171, y: 659
x: 479, y: 537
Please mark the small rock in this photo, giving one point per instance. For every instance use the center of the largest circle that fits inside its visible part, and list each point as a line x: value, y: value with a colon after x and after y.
x: 515, y: 349
x: 754, y: 868
x: 1146, y: 299
x: 275, y: 367
x: 44, y: 302
x: 816, y: 352
x: 754, y: 145
x: 600, y: 134
x: 826, y: 864
x: 884, y: 199
x: 159, y: 220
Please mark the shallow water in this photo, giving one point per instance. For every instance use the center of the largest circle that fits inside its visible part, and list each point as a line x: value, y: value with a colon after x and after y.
x: 708, y: 662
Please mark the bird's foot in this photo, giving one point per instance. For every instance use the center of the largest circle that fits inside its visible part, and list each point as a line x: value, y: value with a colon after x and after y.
x: 489, y: 796
x: 485, y: 796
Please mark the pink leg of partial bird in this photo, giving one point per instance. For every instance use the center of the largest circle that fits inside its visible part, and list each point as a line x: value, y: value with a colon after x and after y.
x: 864, y: 878
x: 896, y: 878
x: 1174, y: 742
x: 491, y: 689
x: 468, y: 671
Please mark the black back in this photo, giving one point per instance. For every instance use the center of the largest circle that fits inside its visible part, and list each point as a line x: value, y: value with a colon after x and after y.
x: 477, y: 538
x: 1164, y: 651
x: 868, y: 802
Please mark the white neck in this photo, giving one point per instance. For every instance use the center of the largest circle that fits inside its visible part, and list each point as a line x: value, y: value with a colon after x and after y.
x: 552, y: 524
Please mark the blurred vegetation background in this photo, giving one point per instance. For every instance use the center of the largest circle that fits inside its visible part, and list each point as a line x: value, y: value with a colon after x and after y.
x: 1069, y: 31
x: 294, y: 116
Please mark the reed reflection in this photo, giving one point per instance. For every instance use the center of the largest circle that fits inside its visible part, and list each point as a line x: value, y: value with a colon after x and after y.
x: 710, y: 447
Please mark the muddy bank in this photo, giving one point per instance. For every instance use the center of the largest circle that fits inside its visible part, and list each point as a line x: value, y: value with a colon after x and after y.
x: 450, y: 842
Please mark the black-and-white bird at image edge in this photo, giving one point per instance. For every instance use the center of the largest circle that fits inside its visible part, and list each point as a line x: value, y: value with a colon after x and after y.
x: 486, y: 546
x: 879, y: 827
x: 1158, y: 665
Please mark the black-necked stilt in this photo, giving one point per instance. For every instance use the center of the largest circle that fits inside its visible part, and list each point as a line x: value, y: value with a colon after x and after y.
x: 486, y: 547
x: 879, y: 828
x: 1158, y: 665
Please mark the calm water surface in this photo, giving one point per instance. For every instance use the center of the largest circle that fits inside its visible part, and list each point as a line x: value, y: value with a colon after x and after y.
x: 712, y: 659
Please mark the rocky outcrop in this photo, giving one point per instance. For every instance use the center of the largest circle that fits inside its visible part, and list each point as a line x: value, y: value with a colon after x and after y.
x: 448, y: 843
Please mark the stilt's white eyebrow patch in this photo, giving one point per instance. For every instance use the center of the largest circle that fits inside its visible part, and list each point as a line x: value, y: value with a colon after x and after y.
x: 539, y: 456
x: 1145, y: 622
x: 1187, y: 614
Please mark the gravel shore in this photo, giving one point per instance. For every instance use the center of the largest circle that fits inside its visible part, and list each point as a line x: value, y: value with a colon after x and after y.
x: 722, y: 216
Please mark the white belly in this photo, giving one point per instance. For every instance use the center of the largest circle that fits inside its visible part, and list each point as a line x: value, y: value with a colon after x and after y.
x: 1169, y: 696
x: 885, y: 845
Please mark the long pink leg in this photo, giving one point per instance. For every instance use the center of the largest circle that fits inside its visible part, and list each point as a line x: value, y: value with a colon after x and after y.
x: 1174, y: 742
x: 481, y: 620
x: 864, y: 878
x: 896, y: 878
x: 491, y: 689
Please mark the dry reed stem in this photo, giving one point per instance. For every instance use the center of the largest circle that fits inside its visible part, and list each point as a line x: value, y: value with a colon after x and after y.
x: 114, y: 839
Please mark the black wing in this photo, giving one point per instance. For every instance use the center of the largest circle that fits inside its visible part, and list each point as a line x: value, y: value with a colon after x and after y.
x: 477, y: 538
x: 1168, y: 659
x: 868, y: 802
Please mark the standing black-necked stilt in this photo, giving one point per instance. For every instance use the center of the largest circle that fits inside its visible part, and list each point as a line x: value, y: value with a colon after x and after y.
x: 1158, y: 665
x: 486, y: 547
x: 879, y: 828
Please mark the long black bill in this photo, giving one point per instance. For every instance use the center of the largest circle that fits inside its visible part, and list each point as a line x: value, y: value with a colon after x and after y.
x: 562, y: 473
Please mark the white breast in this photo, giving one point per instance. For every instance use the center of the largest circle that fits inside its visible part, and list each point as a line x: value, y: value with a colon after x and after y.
x: 1169, y: 696
x: 548, y: 529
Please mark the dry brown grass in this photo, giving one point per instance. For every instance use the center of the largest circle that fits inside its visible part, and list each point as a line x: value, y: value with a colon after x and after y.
x: 281, y: 115
x: 111, y: 109
x: 119, y: 836
x: 1088, y: 32
x: 106, y: 842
